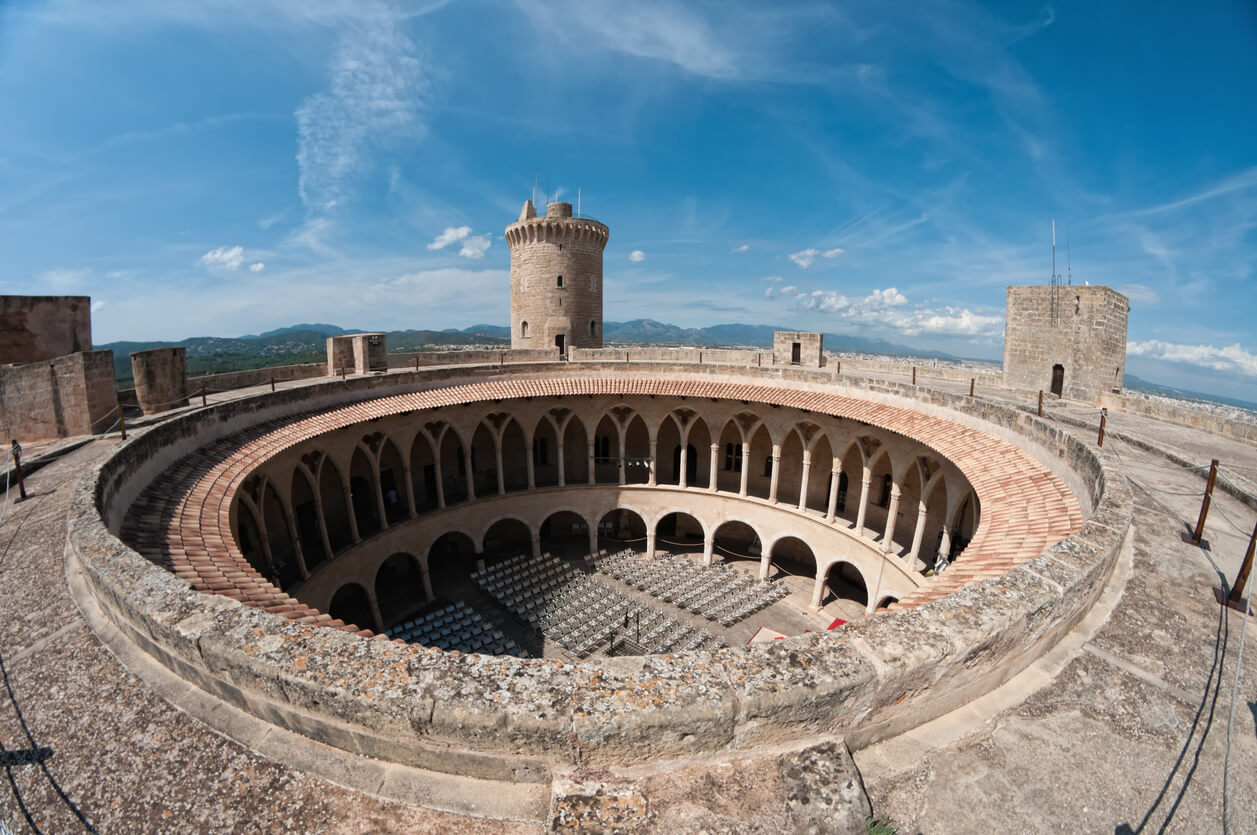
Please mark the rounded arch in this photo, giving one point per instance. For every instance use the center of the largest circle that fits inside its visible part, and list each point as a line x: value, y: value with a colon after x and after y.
x: 484, y: 460
x: 249, y: 539
x: 637, y: 461
x: 699, y: 461
x: 729, y: 448
x: 792, y: 555
x: 736, y: 539
x: 453, y: 470
x: 565, y: 532
x: 398, y: 588
x: 545, y: 453
x: 451, y: 559
x: 507, y: 536
x: 575, y: 452
x: 606, y: 451
x: 789, y: 479
x: 523, y: 329
x: 668, y: 451
x: 283, y: 554
x: 351, y: 604
x: 845, y: 580
x: 818, y: 476
x: 514, y: 456
x: 622, y: 527
x: 760, y: 461
x: 679, y: 532
x: 886, y: 600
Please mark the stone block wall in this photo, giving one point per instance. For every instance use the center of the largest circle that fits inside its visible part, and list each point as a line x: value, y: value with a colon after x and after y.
x: 34, y: 328
x: 58, y: 398
x: 370, y: 352
x: 556, y: 278
x: 161, y: 379
x: 811, y: 348
x: 1084, y: 332
x: 340, y: 354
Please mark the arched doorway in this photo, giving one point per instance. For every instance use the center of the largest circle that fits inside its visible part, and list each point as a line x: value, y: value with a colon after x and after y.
x: 791, y: 555
x: 679, y: 533
x: 362, y: 491
x: 845, y: 582
x: 1058, y: 379
x: 451, y: 560
x: 307, y: 516
x: 335, y: 511
x: 565, y: 534
x: 507, y: 538
x: 398, y: 588
x: 514, y: 458
x: 351, y: 604
x: 620, y: 528
x: 736, y: 541
x: 393, y: 483
x: 423, y: 473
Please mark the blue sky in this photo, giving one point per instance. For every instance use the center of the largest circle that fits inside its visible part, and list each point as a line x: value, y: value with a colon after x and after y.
x: 228, y: 166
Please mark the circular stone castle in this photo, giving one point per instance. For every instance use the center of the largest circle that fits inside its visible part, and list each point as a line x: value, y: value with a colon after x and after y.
x: 512, y: 569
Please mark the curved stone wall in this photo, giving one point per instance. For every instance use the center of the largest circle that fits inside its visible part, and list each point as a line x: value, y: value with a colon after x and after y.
x: 512, y: 719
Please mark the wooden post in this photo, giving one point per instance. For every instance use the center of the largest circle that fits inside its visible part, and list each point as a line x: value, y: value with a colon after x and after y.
x: 21, y: 484
x: 1237, y: 591
x: 122, y: 422
x: 203, y: 401
x: 839, y: 371
x: 914, y: 375
x: 342, y: 372
x: 971, y: 387
x: 416, y: 362
x: 1040, y: 402
x: 1204, y: 504
x: 1104, y: 413
x: 272, y: 383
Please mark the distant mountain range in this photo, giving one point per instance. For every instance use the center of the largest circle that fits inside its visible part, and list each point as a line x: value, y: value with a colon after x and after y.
x: 308, y: 343
x: 1140, y: 384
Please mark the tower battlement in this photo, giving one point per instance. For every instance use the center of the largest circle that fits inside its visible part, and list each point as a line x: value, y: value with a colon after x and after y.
x: 556, y: 278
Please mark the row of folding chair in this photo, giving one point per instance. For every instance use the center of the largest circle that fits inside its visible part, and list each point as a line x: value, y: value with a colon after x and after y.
x: 456, y: 627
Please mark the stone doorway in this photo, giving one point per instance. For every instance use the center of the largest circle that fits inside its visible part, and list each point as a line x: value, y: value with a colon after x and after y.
x: 1058, y: 379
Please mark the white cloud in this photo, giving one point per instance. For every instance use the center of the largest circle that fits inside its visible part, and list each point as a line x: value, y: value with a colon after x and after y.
x: 738, y: 249
x: 773, y: 279
x: 637, y: 256
x: 806, y: 257
x: 451, y: 235
x: 257, y: 268
x: 227, y: 257
x: 475, y: 248
x: 889, y: 308
x: 65, y: 279
x: 376, y: 94
x: 97, y: 305
x: 1232, y: 358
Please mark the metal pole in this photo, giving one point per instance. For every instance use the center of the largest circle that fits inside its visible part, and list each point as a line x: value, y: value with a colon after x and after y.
x: 1104, y: 413
x: 1204, y: 504
x: 839, y: 371
x: 914, y: 375
x: 971, y: 387
x: 272, y: 384
x: 1040, y: 402
x: 122, y: 422
x: 1246, y: 568
x: 21, y: 486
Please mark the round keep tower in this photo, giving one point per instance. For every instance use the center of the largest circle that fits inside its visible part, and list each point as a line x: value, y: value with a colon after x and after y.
x: 556, y: 279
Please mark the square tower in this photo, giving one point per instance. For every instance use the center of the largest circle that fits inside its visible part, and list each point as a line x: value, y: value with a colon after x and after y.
x: 1069, y: 341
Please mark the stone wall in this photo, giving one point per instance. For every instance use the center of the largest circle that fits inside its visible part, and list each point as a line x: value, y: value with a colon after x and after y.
x: 340, y: 355
x: 34, y: 328
x: 514, y: 719
x: 58, y: 398
x: 556, y: 278
x: 370, y: 352
x: 1084, y: 333
x: 161, y: 379
x: 811, y: 348
x: 255, y: 377
x: 1241, y: 430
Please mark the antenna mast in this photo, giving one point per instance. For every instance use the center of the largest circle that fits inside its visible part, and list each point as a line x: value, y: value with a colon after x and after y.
x: 1056, y: 279
x: 535, y: 177
x: 1069, y: 267
x: 578, y: 201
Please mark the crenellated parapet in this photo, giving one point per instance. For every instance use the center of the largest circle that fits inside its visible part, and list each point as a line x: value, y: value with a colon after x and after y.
x: 557, y: 231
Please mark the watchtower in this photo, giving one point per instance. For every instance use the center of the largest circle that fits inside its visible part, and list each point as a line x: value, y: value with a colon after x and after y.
x: 556, y: 279
x: 1070, y: 341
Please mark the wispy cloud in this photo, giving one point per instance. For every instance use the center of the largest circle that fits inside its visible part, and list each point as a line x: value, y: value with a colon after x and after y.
x: 1231, y: 358
x: 637, y: 256
x: 230, y: 258
x: 889, y: 308
x: 738, y: 249
x: 475, y: 247
x: 1139, y: 293
x: 377, y: 94
x: 257, y: 267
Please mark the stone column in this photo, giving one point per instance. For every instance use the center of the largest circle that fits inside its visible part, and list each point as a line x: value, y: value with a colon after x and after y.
x: 497, y: 457
x: 378, y: 490
x: 593, y: 538
x: 623, y: 474
x: 327, y: 541
x: 353, y: 516
x: 888, y: 539
x: 774, y: 478
x: 428, y: 596
x: 536, y: 544
x: 562, y: 466
x: 375, y: 612
x: 709, y: 547
x: 291, y: 521
x: 471, y: 473
x: 654, y: 463
x: 944, y: 545
x: 650, y: 545
x: 865, y: 481
x: 714, y: 470
x: 818, y: 591
x: 411, y: 511
x: 765, y: 565
x: 746, y: 468
x: 440, y: 478
x: 592, y: 477
x: 917, y: 535
x: 480, y: 560
x: 831, y: 511
x: 682, y: 480
x: 807, y: 466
